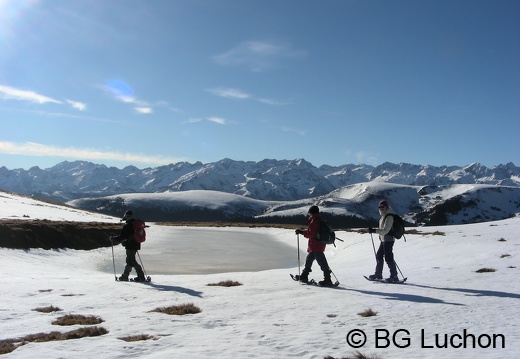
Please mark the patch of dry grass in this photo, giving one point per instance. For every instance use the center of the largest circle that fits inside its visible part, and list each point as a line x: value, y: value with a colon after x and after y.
x: 486, y: 270
x: 368, y: 313
x: 9, y: 345
x: 75, y: 319
x: 48, y: 309
x: 137, y: 338
x: 182, y: 309
x: 225, y: 283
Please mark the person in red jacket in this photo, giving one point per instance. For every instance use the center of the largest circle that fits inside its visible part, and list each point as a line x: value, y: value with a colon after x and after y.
x: 126, y: 238
x: 315, y: 249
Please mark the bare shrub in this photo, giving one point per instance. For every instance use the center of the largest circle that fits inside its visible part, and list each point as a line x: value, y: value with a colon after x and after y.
x: 48, y: 309
x: 136, y: 338
x: 225, y: 283
x: 73, y: 319
x: 486, y: 270
x: 182, y: 309
x: 368, y: 313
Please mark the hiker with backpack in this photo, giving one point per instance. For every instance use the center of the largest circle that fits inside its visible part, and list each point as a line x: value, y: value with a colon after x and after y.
x: 387, y: 240
x: 128, y: 239
x: 315, y: 248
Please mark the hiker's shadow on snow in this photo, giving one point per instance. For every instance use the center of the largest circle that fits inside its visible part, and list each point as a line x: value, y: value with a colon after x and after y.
x: 404, y: 297
x: 173, y: 288
x: 472, y: 292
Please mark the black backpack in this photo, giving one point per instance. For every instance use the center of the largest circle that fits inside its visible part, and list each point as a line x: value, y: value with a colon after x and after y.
x: 326, y: 234
x: 397, y: 230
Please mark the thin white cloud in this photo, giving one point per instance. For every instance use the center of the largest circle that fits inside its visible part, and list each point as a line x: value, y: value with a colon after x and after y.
x: 77, y: 105
x: 193, y: 120
x: 11, y: 93
x: 40, y: 150
x: 272, y: 102
x: 124, y: 93
x: 258, y: 56
x: 218, y: 120
x: 237, y: 94
x: 230, y: 93
x: 144, y: 110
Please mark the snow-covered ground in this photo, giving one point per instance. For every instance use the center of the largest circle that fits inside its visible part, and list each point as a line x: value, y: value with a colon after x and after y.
x: 271, y: 316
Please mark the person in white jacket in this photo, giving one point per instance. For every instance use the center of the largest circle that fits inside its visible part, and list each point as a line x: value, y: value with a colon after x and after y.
x: 387, y: 240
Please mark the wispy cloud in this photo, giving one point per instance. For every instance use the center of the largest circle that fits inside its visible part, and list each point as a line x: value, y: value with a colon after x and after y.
x: 40, y: 150
x: 193, y: 120
x: 218, y: 120
x: 121, y: 91
x: 229, y: 93
x: 236, y: 94
x: 12, y: 93
x: 77, y: 105
x: 144, y: 110
x: 258, y: 56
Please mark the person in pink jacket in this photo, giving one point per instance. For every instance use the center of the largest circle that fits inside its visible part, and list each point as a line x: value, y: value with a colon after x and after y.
x: 315, y: 249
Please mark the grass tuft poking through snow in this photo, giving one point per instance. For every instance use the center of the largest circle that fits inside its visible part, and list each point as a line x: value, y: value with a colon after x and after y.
x: 368, y: 313
x: 75, y: 319
x: 182, y: 309
x: 225, y: 283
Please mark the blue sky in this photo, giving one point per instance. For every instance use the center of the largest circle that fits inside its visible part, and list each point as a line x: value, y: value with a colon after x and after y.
x: 147, y: 83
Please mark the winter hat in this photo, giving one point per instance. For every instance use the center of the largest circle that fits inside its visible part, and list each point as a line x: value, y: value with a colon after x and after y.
x: 383, y: 203
x: 314, y: 210
x: 128, y: 214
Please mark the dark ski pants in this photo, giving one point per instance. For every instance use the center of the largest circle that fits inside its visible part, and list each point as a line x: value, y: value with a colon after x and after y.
x: 322, y: 261
x: 131, y: 262
x: 385, y: 252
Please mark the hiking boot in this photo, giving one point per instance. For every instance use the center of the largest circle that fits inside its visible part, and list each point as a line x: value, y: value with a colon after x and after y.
x: 325, y: 283
x: 304, y: 278
x: 392, y: 279
x: 139, y: 279
x: 375, y: 277
x: 123, y: 278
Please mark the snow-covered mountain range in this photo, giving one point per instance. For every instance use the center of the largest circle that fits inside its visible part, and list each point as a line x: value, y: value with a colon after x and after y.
x: 279, y: 191
x: 274, y: 180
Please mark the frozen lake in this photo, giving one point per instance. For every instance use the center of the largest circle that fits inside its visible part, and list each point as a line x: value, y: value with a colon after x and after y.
x: 196, y: 250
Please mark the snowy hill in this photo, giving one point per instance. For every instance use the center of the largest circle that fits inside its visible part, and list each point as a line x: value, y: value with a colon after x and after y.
x: 351, y: 206
x: 271, y: 180
x: 447, y: 309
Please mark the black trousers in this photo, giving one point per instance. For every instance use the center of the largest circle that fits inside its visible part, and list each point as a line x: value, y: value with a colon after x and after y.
x: 131, y: 262
x: 322, y: 261
x: 385, y: 252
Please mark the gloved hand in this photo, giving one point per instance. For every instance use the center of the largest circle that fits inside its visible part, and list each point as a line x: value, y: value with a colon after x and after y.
x: 371, y: 230
x: 299, y: 231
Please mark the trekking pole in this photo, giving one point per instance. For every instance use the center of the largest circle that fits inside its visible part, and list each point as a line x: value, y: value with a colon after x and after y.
x: 339, y: 239
x: 142, y: 265
x: 298, y: 246
x: 373, y: 245
x: 399, y: 270
x: 337, y: 281
x: 113, y: 259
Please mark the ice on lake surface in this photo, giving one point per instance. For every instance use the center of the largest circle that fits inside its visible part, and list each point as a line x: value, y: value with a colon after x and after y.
x: 193, y: 250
